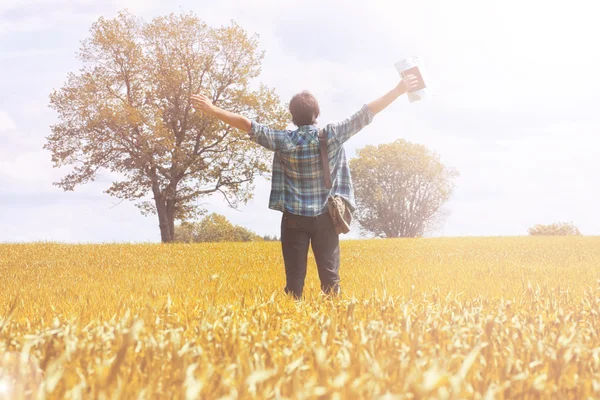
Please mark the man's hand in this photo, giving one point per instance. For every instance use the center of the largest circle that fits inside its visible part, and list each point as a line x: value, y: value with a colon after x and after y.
x: 202, y: 103
x: 410, y: 83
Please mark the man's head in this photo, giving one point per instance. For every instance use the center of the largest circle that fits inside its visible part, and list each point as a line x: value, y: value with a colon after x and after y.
x: 304, y: 109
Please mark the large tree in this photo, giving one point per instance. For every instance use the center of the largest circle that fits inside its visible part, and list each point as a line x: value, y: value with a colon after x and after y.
x: 128, y: 111
x: 400, y: 188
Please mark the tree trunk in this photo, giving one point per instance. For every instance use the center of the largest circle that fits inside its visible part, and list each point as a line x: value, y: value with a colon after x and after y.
x: 163, y: 221
x: 170, y: 208
x: 165, y: 208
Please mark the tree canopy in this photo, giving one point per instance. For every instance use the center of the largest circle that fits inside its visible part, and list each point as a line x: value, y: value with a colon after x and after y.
x: 214, y: 228
x: 400, y: 188
x: 128, y: 112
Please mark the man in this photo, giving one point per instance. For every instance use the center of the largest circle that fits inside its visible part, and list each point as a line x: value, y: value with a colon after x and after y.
x: 298, y: 189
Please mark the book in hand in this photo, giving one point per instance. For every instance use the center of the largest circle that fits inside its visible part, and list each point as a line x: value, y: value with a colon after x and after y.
x: 414, y: 65
x: 415, y: 71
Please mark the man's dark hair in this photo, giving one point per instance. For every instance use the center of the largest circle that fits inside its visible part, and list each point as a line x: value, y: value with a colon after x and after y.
x: 304, y: 109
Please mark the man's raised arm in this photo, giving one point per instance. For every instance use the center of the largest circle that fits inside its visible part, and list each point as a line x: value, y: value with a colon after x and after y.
x: 349, y: 127
x: 271, y: 139
x: 202, y: 103
x: 410, y: 83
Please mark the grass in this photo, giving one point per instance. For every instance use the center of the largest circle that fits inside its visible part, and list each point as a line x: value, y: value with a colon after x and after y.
x: 435, y: 318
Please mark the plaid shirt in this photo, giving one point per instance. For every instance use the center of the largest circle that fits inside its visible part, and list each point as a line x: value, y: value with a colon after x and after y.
x: 297, y: 184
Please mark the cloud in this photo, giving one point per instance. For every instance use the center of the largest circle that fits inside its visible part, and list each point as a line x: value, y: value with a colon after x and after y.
x: 33, y: 53
x: 22, y: 16
x: 27, y: 172
x: 13, y: 6
x: 72, y: 217
x: 135, y: 6
x: 38, y: 22
x: 6, y: 122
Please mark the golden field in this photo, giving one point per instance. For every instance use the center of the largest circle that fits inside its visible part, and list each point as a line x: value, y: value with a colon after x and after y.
x: 418, y: 318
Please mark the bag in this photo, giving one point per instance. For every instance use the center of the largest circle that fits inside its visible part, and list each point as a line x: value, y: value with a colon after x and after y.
x: 338, y: 209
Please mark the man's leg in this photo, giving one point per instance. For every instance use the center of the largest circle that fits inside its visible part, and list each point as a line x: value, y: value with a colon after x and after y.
x: 294, y: 244
x: 326, y: 247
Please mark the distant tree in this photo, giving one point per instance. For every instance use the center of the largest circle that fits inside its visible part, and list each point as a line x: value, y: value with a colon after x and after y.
x: 556, y: 229
x: 214, y: 228
x: 185, y: 232
x: 269, y: 238
x: 128, y: 111
x: 241, y: 234
x: 400, y: 188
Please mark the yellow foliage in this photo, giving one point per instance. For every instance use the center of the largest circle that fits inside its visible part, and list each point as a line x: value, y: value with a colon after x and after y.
x: 556, y: 229
x: 418, y: 318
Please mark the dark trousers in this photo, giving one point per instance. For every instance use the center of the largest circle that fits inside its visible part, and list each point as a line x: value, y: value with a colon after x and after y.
x: 297, y: 232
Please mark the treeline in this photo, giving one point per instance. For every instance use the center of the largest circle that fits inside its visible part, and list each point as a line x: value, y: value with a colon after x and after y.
x: 556, y: 229
x: 216, y: 228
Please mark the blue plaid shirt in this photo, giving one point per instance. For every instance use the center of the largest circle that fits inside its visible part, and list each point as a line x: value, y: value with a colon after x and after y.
x: 297, y: 184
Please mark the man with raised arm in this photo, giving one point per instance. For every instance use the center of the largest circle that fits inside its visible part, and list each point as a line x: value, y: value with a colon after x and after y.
x: 297, y: 186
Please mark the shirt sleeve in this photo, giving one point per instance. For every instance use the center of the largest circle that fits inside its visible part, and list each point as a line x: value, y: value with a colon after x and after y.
x: 349, y: 127
x: 268, y: 138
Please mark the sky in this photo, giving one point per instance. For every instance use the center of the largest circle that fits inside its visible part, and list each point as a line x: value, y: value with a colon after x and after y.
x: 515, y: 93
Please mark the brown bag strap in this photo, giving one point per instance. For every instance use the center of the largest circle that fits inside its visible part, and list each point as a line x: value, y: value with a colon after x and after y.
x: 324, y: 158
